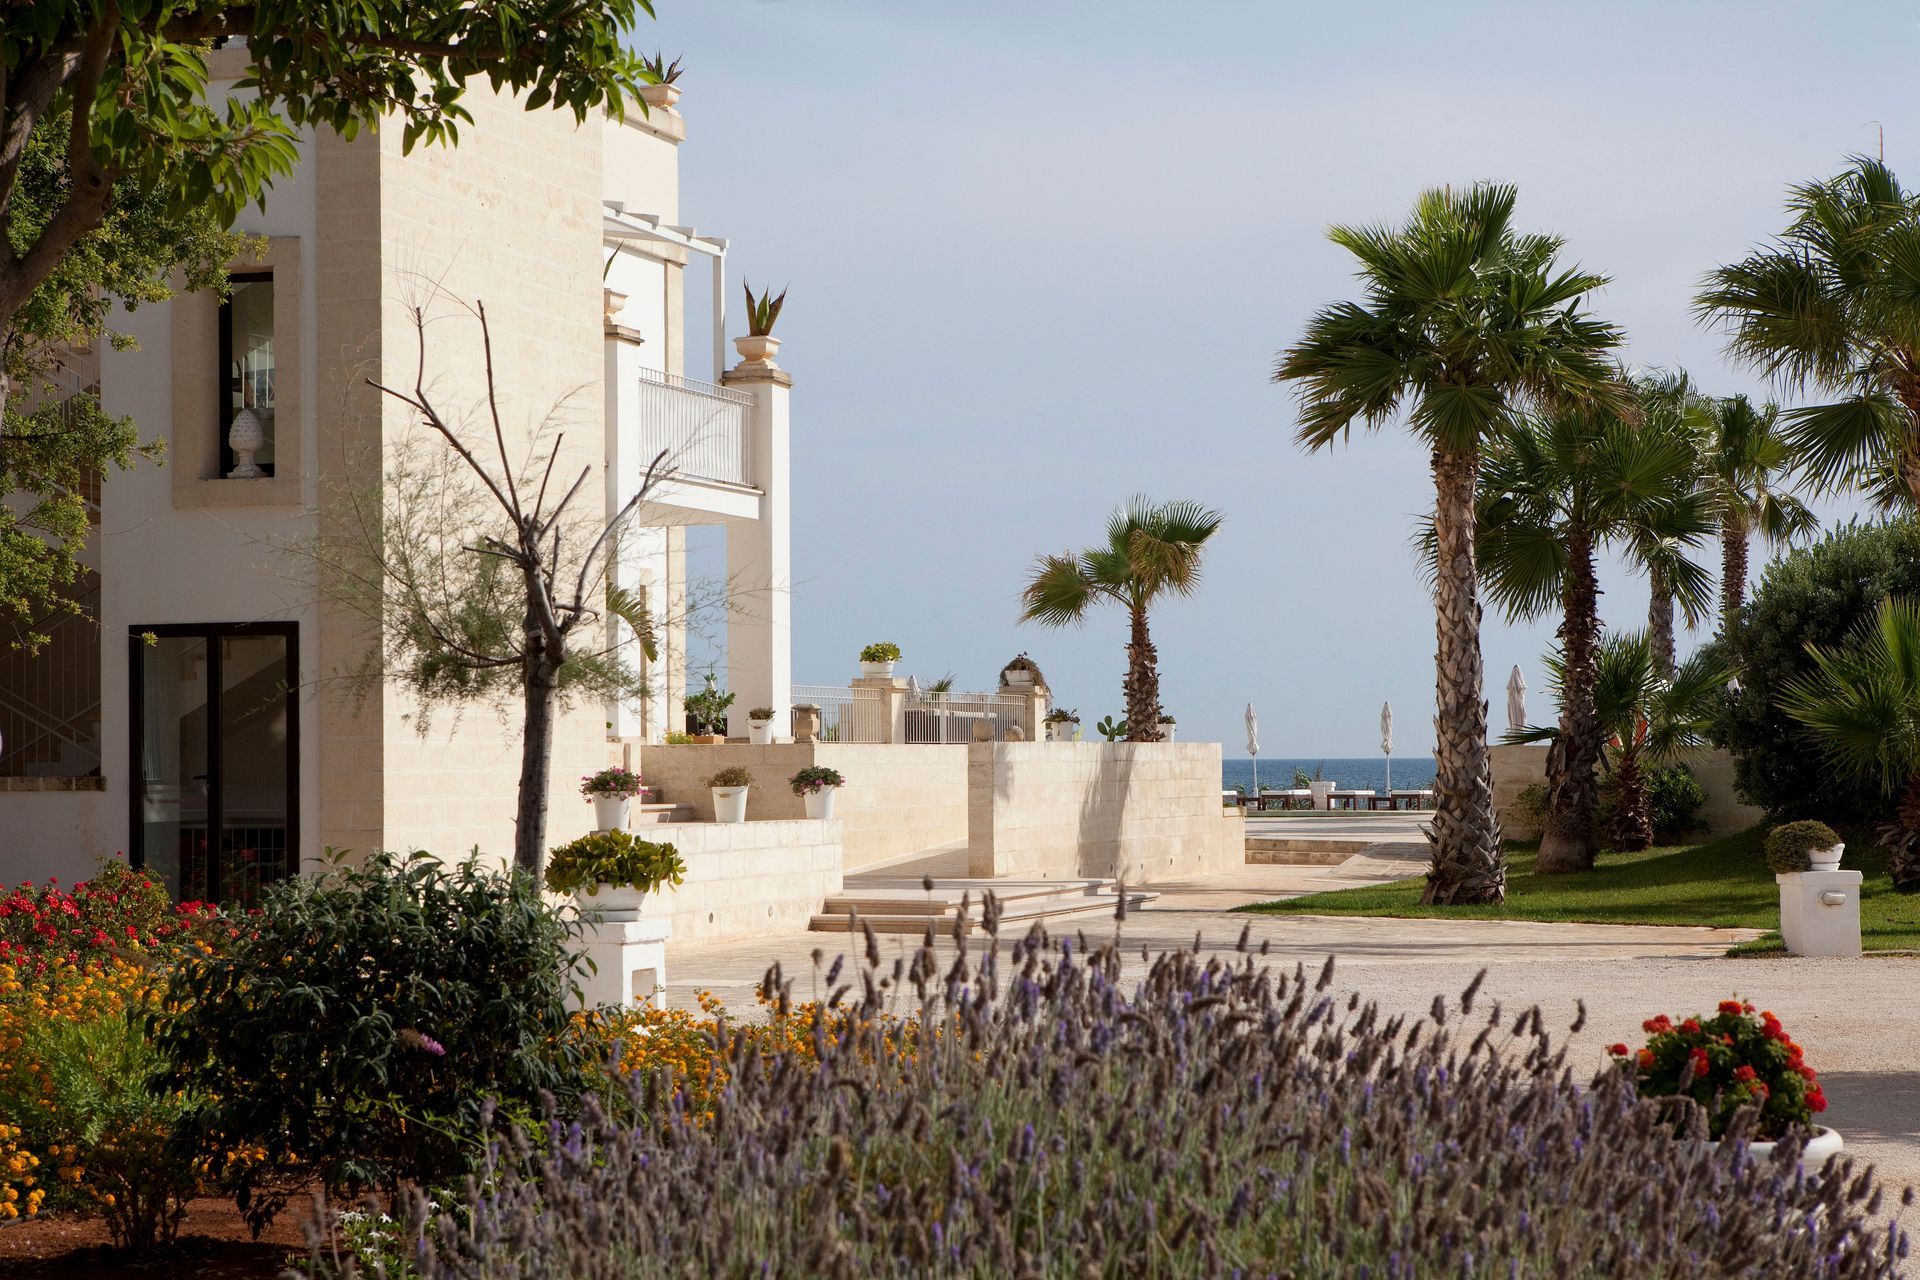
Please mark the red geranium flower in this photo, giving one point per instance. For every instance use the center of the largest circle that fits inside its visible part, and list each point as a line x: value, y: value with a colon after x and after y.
x: 1744, y: 1073
x: 1816, y: 1100
x: 1654, y: 1026
x: 1700, y: 1062
x: 1646, y: 1058
x: 1617, y: 1050
x: 1730, y: 1006
x: 1691, y: 1027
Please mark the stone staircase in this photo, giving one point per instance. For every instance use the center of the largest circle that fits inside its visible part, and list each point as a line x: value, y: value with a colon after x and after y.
x: 903, y: 904
x: 651, y: 807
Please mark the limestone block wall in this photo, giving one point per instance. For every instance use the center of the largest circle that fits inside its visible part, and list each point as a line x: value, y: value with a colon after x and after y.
x: 898, y: 799
x: 1142, y: 811
x: 747, y: 879
x: 1516, y: 767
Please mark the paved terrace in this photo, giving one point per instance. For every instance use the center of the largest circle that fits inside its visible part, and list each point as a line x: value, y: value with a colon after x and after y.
x: 1855, y: 1016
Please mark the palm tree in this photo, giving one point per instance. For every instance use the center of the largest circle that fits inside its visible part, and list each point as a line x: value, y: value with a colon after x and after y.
x: 1746, y: 454
x: 1557, y: 490
x: 1645, y: 719
x: 1862, y: 704
x: 1152, y: 550
x: 1832, y: 307
x: 1465, y: 322
x: 1669, y: 401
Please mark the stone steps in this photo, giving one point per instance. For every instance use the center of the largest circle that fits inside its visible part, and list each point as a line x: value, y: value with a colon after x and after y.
x: 646, y: 815
x: 907, y: 907
x: 1305, y: 851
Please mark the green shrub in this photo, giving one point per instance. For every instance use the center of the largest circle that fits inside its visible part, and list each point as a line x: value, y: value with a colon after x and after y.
x: 881, y: 651
x: 615, y: 858
x: 362, y: 1026
x: 761, y: 714
x: 1816, y: 594
x: 1789, y: 847
x: 731, y: 776
x: 1675, y: 798
x: 1528, y: 809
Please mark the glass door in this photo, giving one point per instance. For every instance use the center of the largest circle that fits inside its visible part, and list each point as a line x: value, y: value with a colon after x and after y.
x: 216, y: 743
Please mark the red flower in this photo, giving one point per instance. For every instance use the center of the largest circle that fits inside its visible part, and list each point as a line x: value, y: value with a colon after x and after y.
x: 1744, y: 1073
x: 1617, y: 1050
x: 1646, y: 1059
x: 1700, y: 1062
x: 1654, y: 1026
x: 1730, y: 1006
x: 1807, y: 1073
x: 1816, y: 1100
x: 1691, y: 1027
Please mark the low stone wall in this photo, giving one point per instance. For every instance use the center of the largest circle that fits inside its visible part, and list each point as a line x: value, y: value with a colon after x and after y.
x: 898, y: 799
x: 1141, y: 811
x: 746, y: 879
x: 58, y: 827
x: 1516, y: 767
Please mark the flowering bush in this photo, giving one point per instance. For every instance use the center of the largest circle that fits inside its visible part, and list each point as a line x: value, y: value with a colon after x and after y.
x: 815, y: 777
x: 47, y: 931
x: 1737, y: 1058
x: 20, y: 1192
x: 613, y: 858
x: 623, y: 783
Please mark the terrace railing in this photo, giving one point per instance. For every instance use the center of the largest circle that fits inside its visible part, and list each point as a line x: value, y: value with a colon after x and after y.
x: 702, y: 428
x: 951, y: 717
x: 847, y: 714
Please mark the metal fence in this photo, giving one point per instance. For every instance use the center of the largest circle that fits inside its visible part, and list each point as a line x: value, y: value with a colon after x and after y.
x: 951, y: 717
x: 700, y: 427
x: 846, y: 714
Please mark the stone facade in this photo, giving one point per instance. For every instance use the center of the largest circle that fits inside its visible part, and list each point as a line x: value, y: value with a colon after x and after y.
x: 1517, y: 767
x: 1139, y: 811
x: 746, y: 879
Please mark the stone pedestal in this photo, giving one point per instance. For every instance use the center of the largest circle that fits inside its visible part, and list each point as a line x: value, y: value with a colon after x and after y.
x: 629, y: 960
x: 1820, y: 912
x: 891, y: 692
x: 1322, y: 794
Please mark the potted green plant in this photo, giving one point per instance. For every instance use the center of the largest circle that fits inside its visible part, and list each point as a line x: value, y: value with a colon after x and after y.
x: 729, y: 788
x: 760, y: 726
x: 1166, y: 727
x: 707, y: 713
x: 1022, y: 675
x: 611, y: 792
x: 877, y: 659
x: 1737, y: 1060
x: 759, y: 345
x: 615, y: 869
x: 817, y: 785
x: 1803, y: 846
x: 939, y: 689
x: 664, y: 92
x: 1063, y: 724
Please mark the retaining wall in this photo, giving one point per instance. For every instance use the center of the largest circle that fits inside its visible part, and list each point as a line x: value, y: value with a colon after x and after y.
x: 1517, y: 767
x: 746, y: 879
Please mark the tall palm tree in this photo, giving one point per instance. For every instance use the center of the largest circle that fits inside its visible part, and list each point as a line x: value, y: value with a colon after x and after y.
x: 1152, y: 550
x: 1862, y: 705
x: 1464, y: 323
x: 1832, y: 307
x: 1556, y: 491
x: 1746, y: 456
x: 1645, y: 718
x: 1668, y: 401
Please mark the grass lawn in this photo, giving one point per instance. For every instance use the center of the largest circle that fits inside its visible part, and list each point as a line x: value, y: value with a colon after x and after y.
x: 1722, y: 882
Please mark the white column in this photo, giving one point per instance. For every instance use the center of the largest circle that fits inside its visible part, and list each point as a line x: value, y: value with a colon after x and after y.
x: 760, y: 557
x: 641, y: 562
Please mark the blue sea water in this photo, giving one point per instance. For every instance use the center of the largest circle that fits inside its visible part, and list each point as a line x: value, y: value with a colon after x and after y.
x: 1359, y: 775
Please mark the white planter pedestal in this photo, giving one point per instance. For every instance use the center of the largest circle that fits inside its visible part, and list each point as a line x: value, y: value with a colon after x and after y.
x: 820, y: 803
x: 610, y: 812
x: 1322, y: 794
x: 629, y: 954
x: 1820, y: 912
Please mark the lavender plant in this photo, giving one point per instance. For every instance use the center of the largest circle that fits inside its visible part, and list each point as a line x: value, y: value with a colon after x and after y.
x: 1218, y: 1118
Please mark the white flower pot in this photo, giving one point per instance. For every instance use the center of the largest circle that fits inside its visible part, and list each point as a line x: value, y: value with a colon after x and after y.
x: 1824, y: 1144
x: 1826, y: 859
x: 1166, y: 733
x: 1062, y: 730
x: 820, y: 803
x: 729, y: 803
x: 1019, y: 681
x: 610, y: 812
x: 1322, y: 794
x: 611, y: 902
x: 760, y: 732
x: 882, y: 670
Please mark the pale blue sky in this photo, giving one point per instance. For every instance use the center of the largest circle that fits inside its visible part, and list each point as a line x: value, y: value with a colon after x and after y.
x: 1042, y: 255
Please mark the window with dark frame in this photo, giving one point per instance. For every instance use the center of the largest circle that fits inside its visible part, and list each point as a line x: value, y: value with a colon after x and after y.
x: 246, y: 374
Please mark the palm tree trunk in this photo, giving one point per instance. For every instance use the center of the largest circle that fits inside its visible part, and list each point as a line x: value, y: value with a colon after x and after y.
x: 1467, y: 862
x: 1733, y: 574
x: 1143, y: 681
x: 1568, y: 841
x: 539, y: 685
x: 1660, y: 622
x: 1901, y: 839
x: 1634, y: 822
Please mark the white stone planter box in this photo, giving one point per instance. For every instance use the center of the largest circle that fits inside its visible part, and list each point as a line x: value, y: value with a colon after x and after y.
x: 629, y: 957
x: 1820, y: 912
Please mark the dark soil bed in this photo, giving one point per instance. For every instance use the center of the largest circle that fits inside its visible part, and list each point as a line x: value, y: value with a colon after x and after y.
x: 213, y: 1245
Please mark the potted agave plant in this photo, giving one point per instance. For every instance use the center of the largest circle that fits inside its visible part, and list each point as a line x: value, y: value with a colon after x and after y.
x: 611, y: 791
x: 1063, y: 723
x: 1736, y: 1061
x: 877, y: 659
x: 665, y: 91
x: 760, y: 726
x: 729, y: 788
x: 817, y: 785
x: 759, y: 346
x: 612, y: 872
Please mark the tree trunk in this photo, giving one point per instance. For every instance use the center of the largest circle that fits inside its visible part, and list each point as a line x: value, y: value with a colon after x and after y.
x: 1143, y: 682
x: 1901, y: 839
x: 1733, y: 574
x: 1660, y: 623
x: 1467, y: 863
x: 1634, y: 822
x: 540, y: 684
x: 1568, y: 839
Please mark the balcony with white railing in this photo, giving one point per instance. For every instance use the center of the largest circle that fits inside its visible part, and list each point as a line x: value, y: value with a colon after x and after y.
x: 702, y: 429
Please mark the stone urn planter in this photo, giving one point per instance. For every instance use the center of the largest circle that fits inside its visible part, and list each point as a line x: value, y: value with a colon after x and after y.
x: 610, y: 902
x: 820, y: 802
x: 760, y: 732
x: 1827, y: 859
x: 660, y: 95
x: 610, y: 813
x: 757, y: 348
x: 730, y: 803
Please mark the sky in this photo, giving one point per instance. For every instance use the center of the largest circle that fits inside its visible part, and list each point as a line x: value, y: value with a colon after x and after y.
x: 1041, y: 256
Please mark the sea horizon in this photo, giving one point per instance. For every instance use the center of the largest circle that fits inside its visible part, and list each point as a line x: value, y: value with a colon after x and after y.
x: 1349, y: 773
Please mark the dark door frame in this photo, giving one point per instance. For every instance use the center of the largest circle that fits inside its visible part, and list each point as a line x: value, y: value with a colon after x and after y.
x: 137, y: 736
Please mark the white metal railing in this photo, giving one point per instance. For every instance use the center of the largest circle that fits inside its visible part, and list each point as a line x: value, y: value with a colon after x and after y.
x: 950, y: 717
x: 846, y: 714
x: 700, y: 427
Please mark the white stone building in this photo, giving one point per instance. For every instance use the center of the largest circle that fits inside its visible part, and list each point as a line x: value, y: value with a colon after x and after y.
x: 200, y: 726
